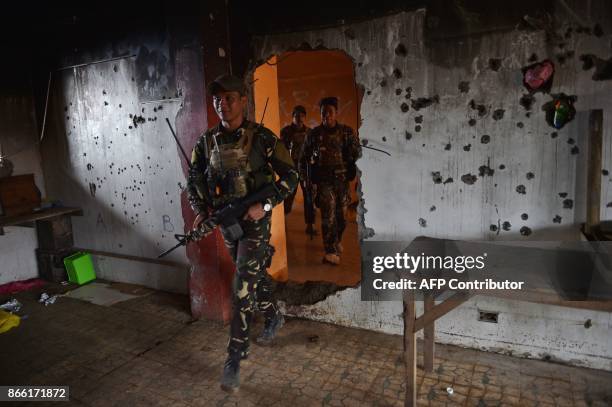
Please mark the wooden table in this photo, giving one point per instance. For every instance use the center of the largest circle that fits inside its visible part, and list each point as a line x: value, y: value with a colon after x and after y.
x: 433, y: 311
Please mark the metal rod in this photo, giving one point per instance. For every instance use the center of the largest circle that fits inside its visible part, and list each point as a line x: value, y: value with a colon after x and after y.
x: 376, y: 149
x: 42, y: 130
x: 179, y: 143
x: 264, y: 112
x: 135, y: 258
x: 97, y: 62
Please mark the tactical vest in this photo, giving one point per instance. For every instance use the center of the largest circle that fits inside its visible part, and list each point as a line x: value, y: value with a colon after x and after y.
x: 330, y: 161
x: 235, y: 169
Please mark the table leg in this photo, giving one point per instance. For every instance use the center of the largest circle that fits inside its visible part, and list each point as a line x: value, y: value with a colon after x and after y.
x: 410, y: 351
x: 429, y: 335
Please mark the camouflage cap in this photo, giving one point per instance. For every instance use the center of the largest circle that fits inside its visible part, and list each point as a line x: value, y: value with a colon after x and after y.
x: 226, y: 83
x: 330, y: 101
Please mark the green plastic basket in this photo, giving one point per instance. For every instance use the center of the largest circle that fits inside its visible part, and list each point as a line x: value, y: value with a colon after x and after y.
x: 80, y: 268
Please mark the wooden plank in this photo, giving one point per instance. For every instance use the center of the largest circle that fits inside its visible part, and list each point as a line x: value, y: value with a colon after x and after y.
x: 168, y: 263
x: 40, y: 215
x: 440, y: 309
x: 593, y: 198
x: 410, y: 353
x: 429, y: 335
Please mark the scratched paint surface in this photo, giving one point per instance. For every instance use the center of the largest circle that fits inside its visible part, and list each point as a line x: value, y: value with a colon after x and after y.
x: 463, y: 144
x: 114, y: 156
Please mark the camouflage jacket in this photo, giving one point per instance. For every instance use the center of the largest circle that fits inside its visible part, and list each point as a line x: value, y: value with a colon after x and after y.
x: 293, y: 138
x: 265, y: 145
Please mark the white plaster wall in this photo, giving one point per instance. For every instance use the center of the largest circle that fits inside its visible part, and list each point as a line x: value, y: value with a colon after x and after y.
x: 126, y: 177
x: 467, y: 211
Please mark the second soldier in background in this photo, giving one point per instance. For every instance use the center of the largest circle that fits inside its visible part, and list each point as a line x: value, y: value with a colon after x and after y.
x: 332, y: 149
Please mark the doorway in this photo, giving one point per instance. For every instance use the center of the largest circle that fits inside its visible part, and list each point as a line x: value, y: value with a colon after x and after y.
x: 304, y: 78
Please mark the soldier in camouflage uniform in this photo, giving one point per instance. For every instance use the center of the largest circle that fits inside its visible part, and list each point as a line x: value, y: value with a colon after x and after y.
x: 332, y: 149
x: 293, y: 137
x: 232, y: 160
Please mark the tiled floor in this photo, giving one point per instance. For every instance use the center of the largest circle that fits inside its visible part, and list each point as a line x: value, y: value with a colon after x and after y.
x: 147, y: 352
x: 304, y: 255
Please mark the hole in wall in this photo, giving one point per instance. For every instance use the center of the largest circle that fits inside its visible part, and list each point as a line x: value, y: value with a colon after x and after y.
x: 304, y: 78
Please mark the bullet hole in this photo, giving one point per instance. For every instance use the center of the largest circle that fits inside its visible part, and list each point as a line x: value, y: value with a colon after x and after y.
x: 384, y: 138
x: 495, y: 64
x: 448, y: 181
x: 482, y: 110
x: 472, y: 122
x: 498, y: 114
x: 562, y: 194
x: 105, y: 103
x: 383, y: 83
x: 527, y: 101
x: 401, y: 50
x: 160, y: 107
x: 422, y: 223
x: 467, y: 147
x: 92, y: 189
x: 418, y: 119
x: 502, y: 167
x: 568, y: 204
x: 557, y: 219
x: 530, y: 176
x: 437, y: 178
x: 130, y: 127
x: 525, y: 231
x: 408, y: 92
x: 528, y: 114
x: 521, y: 189
x: 115, y: 68
x: 506, y: 226
x: 397, y: 73
x: 533, y: 58
x: 605, y: 172
x: 417, y: 128
x: 485, y: 170
x: 398, y: 91
x: 492, y: 227
x: 520, y: 125
x: 447, y: 147
x: 485, y: 139
x: 408, y: 135
x: 369, y: 92
x: 524, y: 216
x: 469, y: 179
x: 571, y: 141
x: 404, y: 107
x: 84, y: 154
x: 464, y: 86
x: 89, y: 167
x: 65, y: 108
x: 588, y: 61
x: 422, y: 103
x: 554, y: 134
x: 575, y: 150
x: 432, y: 208
x: 138, y: 120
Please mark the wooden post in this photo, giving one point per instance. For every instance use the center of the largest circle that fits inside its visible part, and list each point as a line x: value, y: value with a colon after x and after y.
x: 594, y: 171
x: 410, y: 351
x: 429, y: 335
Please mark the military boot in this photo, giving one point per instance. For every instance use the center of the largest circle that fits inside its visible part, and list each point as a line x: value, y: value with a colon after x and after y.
x: 230, y: 381
x: 331, y: 258
x: 270, y: 329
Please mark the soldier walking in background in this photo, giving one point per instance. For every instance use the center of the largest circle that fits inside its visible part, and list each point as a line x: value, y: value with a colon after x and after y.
x: 331, y: 149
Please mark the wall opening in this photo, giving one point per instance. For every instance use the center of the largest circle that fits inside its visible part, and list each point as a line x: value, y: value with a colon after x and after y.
x: 303, y: 78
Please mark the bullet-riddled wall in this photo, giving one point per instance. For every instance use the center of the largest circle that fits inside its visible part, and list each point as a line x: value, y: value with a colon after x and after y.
x: 462, y: 171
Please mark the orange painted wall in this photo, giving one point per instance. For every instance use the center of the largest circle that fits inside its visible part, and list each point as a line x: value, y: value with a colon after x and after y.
x: 266, y: 86
x: 304, y: 77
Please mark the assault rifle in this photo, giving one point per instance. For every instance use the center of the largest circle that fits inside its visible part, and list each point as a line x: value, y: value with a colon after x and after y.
x: 228, y: 217
x: 309, y: 209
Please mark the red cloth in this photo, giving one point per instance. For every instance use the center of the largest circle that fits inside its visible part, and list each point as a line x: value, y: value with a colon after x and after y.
x: 18, y: 286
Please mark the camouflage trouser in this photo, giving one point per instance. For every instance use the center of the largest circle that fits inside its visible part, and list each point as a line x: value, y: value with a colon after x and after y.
x: 251, y: 282
x: 308, y: 212
x: 333, y: 199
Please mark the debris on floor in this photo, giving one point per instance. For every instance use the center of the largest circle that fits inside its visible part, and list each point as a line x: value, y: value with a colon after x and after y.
x: 47, y: 299
x: 11, y: 306
x: 8, y: 321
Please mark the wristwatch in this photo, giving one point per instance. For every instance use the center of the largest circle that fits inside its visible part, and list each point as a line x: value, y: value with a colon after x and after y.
x: 267, y: 207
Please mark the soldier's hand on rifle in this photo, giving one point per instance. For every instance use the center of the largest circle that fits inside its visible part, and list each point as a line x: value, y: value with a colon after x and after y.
x: 198, y: 221
x: 255, y: 212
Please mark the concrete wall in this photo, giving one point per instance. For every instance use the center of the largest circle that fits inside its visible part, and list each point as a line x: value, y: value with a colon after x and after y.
x: 395, y: 64
x: 109, y: 149
x: 19, y: 142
